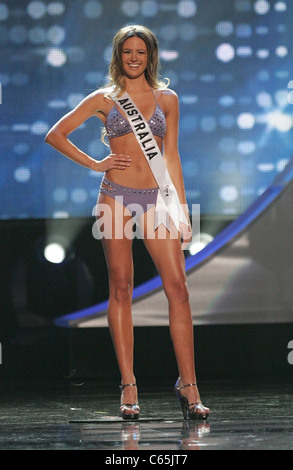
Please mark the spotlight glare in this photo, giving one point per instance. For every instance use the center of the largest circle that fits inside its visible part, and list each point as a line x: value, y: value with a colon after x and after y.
x: 262, y: 7
x: 199, y: 242
x: 54, y: 253
x: 246, y: 121
x: 169, y: 56
x: 281, y: 6
x: 290, y: 97
x: 282, y: 51
x: 225, y: 52
x: 56, y: 57
x: 187, y: 8
x: 280, y: 121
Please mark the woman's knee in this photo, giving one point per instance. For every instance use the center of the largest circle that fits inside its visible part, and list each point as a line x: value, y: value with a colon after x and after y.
x: 121, y: 289
x: 177, y: 291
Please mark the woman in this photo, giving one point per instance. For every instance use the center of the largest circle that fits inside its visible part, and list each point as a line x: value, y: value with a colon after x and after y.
x: 134, y: 69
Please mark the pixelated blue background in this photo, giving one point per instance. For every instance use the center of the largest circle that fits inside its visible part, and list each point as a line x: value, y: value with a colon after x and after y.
x: 230, y: 61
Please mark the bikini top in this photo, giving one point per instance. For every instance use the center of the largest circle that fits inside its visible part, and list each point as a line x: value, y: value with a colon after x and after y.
x: 117, y: 125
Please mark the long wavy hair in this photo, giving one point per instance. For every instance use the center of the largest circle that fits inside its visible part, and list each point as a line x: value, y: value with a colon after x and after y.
x: 152, y: 72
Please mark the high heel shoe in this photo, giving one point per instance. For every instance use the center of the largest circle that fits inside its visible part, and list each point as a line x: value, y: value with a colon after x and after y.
x: 129, y: 411
x: 190, y: 410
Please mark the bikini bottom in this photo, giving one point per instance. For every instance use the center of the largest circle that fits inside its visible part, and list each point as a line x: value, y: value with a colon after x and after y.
x: 137, y: 200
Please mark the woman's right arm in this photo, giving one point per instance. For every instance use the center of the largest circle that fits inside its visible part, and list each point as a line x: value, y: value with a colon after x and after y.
x: 57, y: 136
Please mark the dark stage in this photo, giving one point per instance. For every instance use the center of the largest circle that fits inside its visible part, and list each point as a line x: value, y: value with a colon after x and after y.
x: 59, y: 391
x: 50, y: 415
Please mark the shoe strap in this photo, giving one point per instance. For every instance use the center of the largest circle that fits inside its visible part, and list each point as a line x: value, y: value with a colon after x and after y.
x: 130, y: 406
x: 180, y: 387
x: 122, y: 387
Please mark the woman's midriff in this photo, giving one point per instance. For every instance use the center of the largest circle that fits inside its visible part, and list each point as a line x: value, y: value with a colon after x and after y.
x: 138, y: 174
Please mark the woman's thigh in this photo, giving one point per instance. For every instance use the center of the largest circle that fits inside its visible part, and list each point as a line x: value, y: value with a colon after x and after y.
x: 115, y: 226
x: 165, y: 248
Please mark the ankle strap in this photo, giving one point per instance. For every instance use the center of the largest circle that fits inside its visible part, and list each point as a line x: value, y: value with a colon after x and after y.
x: 122, y: 387
x: 180, y: 387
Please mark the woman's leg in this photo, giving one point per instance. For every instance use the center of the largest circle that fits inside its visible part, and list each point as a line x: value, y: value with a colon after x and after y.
x: 117, y: 247
x: 166, y: 252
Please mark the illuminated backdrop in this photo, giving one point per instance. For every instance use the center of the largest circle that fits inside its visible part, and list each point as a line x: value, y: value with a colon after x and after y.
x: 230, y: 61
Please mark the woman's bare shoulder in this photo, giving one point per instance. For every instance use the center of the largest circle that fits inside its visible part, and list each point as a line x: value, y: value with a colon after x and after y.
x: 100, y: 95
x: 98, y: 102
x: 169, y: 96
x: 169, y: 99
x: 168, y: 92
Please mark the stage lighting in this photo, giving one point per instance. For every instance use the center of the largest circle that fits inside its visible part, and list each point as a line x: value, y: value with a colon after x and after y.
x: 169, y: 56
x: 262, y: 7
x: 56, y: 8
x: 53, y: 279
x: 22, y: 174
x: 229, y: 193
x: 246, y: 121
x: 56, y: 57
x: 130, y: 8
x: 280, y: 121
x: 225, y: 52
x: 187, y: 8
x: 264, y: 100
x: 263, y: 53
x: 290, y: 98
x: 36, y: 9
x: 224, y: 28
x: 281, y: 6
x: 54, y: 250
x: 199, y: 241
x: 281, y: 51
x: 54, y: 253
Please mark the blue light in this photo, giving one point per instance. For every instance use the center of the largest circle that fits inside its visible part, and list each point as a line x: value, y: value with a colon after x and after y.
x: 231, y: 70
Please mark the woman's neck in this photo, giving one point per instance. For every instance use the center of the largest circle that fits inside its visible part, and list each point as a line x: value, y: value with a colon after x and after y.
x: 137, y: 85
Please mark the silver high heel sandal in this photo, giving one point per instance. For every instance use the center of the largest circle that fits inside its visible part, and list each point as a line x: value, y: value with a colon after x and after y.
x: 190, y: 410
x: 129, y: 411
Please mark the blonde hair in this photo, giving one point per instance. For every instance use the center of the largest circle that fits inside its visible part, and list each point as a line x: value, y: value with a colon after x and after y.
x: 152, y: 72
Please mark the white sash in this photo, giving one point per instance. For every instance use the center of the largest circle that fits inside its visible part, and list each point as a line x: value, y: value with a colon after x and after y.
x: 168, y: 203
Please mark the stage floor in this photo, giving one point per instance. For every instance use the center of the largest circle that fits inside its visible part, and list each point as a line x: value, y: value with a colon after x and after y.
x: 41, y: 415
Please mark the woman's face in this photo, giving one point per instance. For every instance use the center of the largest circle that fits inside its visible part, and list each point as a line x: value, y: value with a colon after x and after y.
x: 134, y: 57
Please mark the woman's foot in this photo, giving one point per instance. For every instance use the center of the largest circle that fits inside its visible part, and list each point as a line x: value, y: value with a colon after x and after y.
x: 189, y: 398
x: 129, y: 404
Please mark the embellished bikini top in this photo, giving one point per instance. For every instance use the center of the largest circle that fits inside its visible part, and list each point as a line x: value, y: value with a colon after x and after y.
x: 117, y: 125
